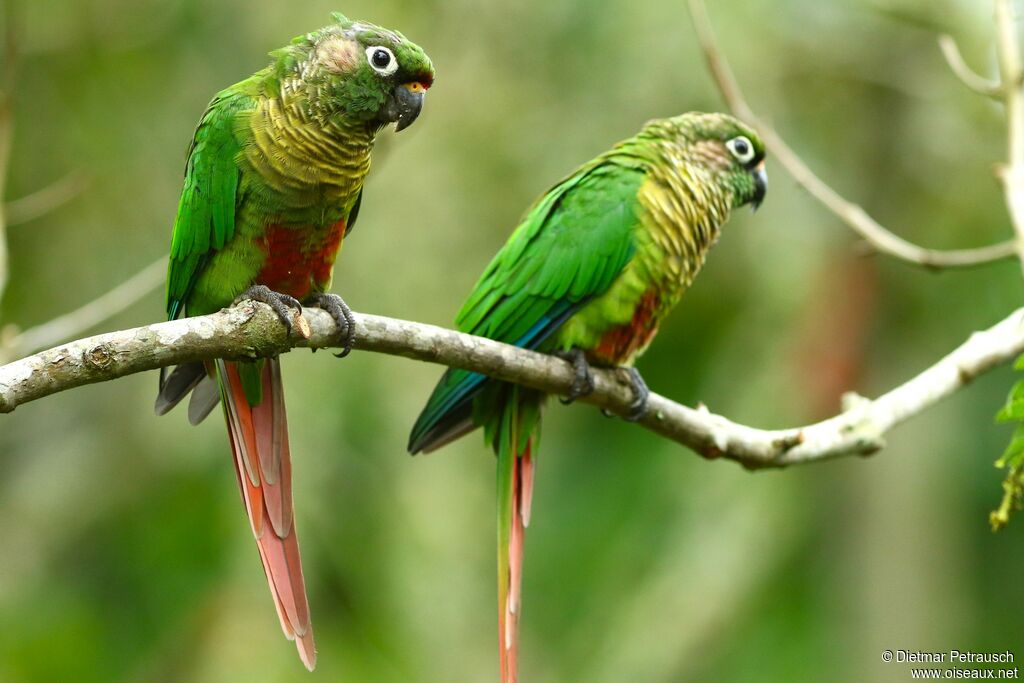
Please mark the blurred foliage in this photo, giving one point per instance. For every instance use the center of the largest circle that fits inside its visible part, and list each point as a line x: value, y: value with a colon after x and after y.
x: 1012, y: 459
x: 126, y: 552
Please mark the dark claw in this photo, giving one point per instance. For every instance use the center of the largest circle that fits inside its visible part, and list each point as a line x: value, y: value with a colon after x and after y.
x: 583, y: 382
x: 343, y: 318
x: 638, y: 408
x: 281, y: 303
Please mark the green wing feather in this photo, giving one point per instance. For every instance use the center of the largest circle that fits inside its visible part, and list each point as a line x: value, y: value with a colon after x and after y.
x: 570, y: 248
x: 206, y: 211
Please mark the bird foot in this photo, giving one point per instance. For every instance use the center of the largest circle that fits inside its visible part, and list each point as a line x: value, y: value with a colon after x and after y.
x: 583, y: 382
x: 638, y: 408
x: 343, y: 318
x: 282, y: 304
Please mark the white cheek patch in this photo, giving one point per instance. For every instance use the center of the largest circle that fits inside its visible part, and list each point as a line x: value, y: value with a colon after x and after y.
x: 338, y: 54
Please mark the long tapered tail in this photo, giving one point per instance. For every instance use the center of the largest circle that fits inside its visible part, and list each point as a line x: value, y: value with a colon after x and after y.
x: 259, y: 441
x: 515, y: 443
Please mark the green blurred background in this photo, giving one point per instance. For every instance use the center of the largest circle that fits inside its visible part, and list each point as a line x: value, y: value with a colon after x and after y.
x: 125, y: 552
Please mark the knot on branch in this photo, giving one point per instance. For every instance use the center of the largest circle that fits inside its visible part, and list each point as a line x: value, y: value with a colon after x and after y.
x: 788, y: 442
x: 99, y: 357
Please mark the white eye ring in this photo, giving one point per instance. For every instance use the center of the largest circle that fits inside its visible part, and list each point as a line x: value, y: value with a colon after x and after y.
x: 742, y: 148
x: 375, y: 55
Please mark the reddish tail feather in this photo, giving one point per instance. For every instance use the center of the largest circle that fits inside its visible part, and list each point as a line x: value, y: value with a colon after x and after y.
x: 259, y: 441
x: 510, y: 596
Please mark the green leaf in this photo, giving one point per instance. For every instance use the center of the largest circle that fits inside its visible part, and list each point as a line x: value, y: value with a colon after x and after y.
x: 1013, y: 410
x: 1012, y: 458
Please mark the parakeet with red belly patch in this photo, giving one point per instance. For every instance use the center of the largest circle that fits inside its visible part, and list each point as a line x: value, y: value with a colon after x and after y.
x: 273, y: 184
x: 589, y: 274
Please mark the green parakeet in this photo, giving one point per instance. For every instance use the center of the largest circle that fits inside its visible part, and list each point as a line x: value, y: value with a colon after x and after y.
x: 590, y: 273
x: 273, y: 185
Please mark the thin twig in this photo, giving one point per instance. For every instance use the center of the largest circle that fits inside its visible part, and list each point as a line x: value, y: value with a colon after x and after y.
x: 84, y: 318
x: 9, y: 72
x: 880, y: 238
x: 6, y: 126
x: 46, y: 199
x: 968, y: 76
x: 8, y: 77
x: 252, y: 330
x: 1011, y: 73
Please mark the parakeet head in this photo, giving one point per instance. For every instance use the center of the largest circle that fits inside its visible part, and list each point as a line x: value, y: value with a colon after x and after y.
x: 357, y: 71
x: 729, y: 151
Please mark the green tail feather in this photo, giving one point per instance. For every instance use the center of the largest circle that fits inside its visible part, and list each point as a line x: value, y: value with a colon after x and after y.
x: 251, y: 374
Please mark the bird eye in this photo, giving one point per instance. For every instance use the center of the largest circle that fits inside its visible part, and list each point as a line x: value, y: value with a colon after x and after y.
x: 382, y: 60
x: 741, y: 148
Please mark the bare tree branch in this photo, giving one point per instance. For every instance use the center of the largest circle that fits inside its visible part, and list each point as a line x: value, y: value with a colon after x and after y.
x: 46, y: 199
x: 969, y: 77
x: 5, y: 153
x: 251, y: 330
x: 8, y: 76
x: 73, y: 324
x: 1011, y: 72
x: 880, y: 238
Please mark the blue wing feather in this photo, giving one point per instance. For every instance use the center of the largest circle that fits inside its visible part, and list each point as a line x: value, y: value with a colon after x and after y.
x: 546, y: 272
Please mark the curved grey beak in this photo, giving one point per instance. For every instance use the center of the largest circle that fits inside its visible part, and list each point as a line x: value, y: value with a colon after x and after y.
x: 760, y: 186
x: 407, y: 103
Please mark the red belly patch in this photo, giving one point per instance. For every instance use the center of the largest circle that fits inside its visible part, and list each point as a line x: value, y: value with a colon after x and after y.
x: 299, y: 257
x: 620, y: 344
